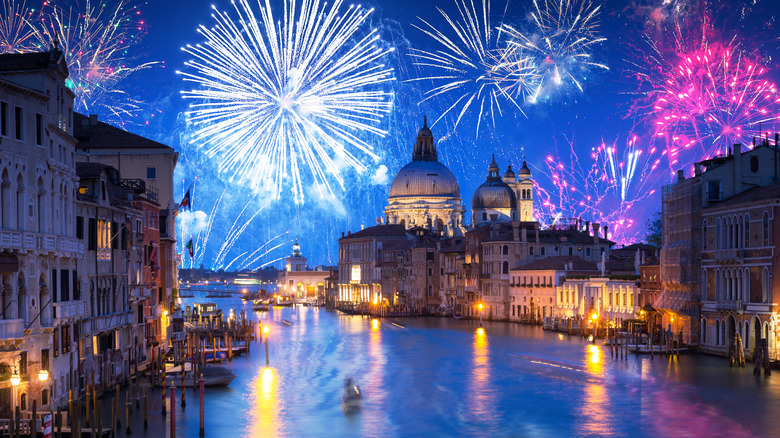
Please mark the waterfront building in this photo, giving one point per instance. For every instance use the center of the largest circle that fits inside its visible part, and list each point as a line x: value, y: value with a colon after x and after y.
x: 453, y: 275
x: 612, y: 299
x: 425, y: 193
x: 300, y: 280
x: 534, y: 288
x: 109, y: 327
x: 140, y: 158
x: 39, y: 252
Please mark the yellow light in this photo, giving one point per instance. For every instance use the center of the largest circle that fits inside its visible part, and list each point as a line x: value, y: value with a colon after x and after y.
x: 560, y: 336
x: 479, y: 306
x: 15, y: 378
x: 375, y: 302
x: 672, y: 319
x: 593, y: 317
x: 165, y: 313
x: 594, y: 349
x: 243, y: 291
x: 43, y: 375
x: 481, y: 331
x: 266, y: 329
x: 374, y: 324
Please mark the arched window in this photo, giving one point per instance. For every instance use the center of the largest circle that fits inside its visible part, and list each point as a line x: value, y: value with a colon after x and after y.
x: 723, y: 333
x: 505, y: 250
x: 765, y: 234
x: 746, y: 284
x: 704, y: 330
x: 765, y: 286
x: 20, y: 223
x: 717, y: 332
x: 754, y: 164
x: 5, y: 200
x: 740, y: 231
x: 704, y: 236
x: 747, y: 231
x: 704, y: 285
x: 717, y: 235
x: 571, y: 250
x: 542, y: 251
x: 505, y: 268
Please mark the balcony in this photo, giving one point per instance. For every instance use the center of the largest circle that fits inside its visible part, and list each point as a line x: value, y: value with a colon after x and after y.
x: 734, y: 255
x: 11, y: 329
x: 733, y: 305
x: 17, y: 240
x: 112, y: 321
x: 70, y: 310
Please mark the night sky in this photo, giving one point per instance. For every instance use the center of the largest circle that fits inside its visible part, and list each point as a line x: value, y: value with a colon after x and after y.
x: 560, y: 133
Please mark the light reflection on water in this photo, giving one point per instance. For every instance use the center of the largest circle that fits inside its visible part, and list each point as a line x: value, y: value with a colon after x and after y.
x: 437, y: 377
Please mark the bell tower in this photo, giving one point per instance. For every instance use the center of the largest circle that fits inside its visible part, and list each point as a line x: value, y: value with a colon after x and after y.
x: 525, y: 194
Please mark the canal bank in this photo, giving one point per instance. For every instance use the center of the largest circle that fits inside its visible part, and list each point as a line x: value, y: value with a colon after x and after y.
x: 437, y: 377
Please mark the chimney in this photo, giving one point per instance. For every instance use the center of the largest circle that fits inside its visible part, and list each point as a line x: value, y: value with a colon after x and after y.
x: 696, y: 169
x: 515, y: 231
x: 587, y: 227
x: 777, y: 139
x: 596, y: 232
x: 738, y: 168
x: 680, y: 175
x: 342, y: 234
x: 93, y: 119
x: 606, y: 233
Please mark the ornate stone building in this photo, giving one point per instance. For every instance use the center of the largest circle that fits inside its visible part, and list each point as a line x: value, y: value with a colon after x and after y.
x: 508, y: 199
x: 425, y: 193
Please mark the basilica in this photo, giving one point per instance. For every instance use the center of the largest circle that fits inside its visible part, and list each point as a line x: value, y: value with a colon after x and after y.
x: 425, y: 255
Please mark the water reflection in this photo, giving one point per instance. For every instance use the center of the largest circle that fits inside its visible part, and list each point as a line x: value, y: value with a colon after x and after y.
x: 595, y: 412
x: 264, y: 404
x: 480, y: 400
x: 374, y: 412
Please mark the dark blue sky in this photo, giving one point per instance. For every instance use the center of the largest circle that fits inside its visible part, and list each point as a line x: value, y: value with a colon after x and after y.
x: 566, y: 126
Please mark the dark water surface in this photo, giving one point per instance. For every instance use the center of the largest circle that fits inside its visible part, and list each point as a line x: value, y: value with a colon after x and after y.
x: 437, y: 377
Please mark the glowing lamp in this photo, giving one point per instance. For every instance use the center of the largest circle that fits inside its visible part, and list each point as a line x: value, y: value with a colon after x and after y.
x: 479, y: 306
x: 375, y: 301
x: 15, y: 378
x: 374, y: 324
x: 593, y: 317
x: 43, y: 375
x: 266, y: 329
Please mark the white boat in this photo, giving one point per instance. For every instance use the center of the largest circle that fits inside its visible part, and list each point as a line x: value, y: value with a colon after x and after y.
x: 212, y: 375
x: 261, y: 305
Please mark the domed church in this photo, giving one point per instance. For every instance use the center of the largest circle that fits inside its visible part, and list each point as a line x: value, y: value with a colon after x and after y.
x: 425, y: 193
x: 507, y: 199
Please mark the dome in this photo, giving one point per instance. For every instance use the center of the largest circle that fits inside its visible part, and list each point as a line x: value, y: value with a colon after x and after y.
x: 493, y: 194
x: 524, y: 170
x: 509, y: 174
x: 423, y: 179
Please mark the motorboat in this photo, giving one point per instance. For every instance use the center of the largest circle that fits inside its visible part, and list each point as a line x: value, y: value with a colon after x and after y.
x: 261, y: 305
x: 352, y: 397
x: 284, y: 301
x: 212, y: 375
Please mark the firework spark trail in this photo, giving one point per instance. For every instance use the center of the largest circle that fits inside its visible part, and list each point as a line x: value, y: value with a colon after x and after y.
x: 203, y: 237
x: 235, y: 233
x: 271, y: 262
x: 712, y: 98
x: 17, y: 34
x: 246, y: 263
x: 277, y: 94
x: 565, y: 33
x: 604, y: 190
x: 227, y: 268
x: 266, y: 252
x: 472, y: 64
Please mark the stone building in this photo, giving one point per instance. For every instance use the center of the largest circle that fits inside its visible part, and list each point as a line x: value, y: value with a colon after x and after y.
x: 39, y: 252
x: 298, y: 279
x: 425, y: 193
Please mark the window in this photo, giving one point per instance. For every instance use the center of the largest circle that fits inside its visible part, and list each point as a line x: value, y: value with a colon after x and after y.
x: 713, y: 191
x: 19, y: 123
x: 747, y: 231
x: 542, y: 251
x: 151, y: 172
x: 571, y: 251
x: 484, y: 216
x: 704, y: 236
x: 355, y: 273
x: 45, y: 359
x: 765, y: 234
x: 717, y: 235
x: 505, y: 250
x: 39, y: 129
x: 505, y: 269
x: 23, y: 363
x: 80, y: 227
x: 754, y: 164
x: 4, y: 119
x: 587, y: 251
x: 530, y: 250
x: 104, y: 240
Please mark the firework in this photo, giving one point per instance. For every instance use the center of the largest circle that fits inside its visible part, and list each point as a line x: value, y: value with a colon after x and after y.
x: 473, y: 66
x: 17, y: 34
x: 565, y: 32
x: 275, y: 97
x: 95, y: 38
x: 712, y: 98
x: 607, y: 188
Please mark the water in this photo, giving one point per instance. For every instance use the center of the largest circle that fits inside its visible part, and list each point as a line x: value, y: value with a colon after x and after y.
x: 437, y: 377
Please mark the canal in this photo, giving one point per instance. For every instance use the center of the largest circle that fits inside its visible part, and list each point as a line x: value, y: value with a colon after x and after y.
x: 438, y: 377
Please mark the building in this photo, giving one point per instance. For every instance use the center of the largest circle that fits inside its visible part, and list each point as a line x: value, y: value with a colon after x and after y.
x: 40, y: 277
x: 139, y: 158
x: 425, y: 193
x: 298, y: 279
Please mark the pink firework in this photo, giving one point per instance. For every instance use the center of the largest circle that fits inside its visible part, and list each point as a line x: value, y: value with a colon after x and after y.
x: 711, y: 99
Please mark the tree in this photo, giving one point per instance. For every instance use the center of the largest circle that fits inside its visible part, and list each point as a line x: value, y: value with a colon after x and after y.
x: 654, y: 229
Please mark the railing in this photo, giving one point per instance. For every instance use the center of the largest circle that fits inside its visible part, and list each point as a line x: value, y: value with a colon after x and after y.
x: 729, y: 305
x: 137, y: 186
x: 734, y: 254
x: 113, y: 320
x: 71, y: 309
x: 15, y: 239
x: 11, y: 328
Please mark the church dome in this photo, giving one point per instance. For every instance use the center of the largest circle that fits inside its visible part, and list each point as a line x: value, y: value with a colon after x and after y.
x: 509, y: 174
x: 524, y: 170
x: 493, y: 193
x: 424, y: 178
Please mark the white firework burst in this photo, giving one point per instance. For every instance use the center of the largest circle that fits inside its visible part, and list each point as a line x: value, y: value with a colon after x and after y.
x: 276, y: 96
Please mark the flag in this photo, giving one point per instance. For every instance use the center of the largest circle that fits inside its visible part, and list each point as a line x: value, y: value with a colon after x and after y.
x: 189, y: 248
x: 185, y: 201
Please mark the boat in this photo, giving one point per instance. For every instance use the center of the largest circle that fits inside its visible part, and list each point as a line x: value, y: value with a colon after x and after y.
x: 208, y: 309
x: 352, y: 397
x: 212, y: 375
x: 261, y: 305
x: 284, y: 301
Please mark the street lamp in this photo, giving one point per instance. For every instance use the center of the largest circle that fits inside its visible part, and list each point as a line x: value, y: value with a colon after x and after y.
x: 15, y: 381
x: 43, y: 375
x: 266, y: 329
x: 480, y: 306
x: 594, y: 318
